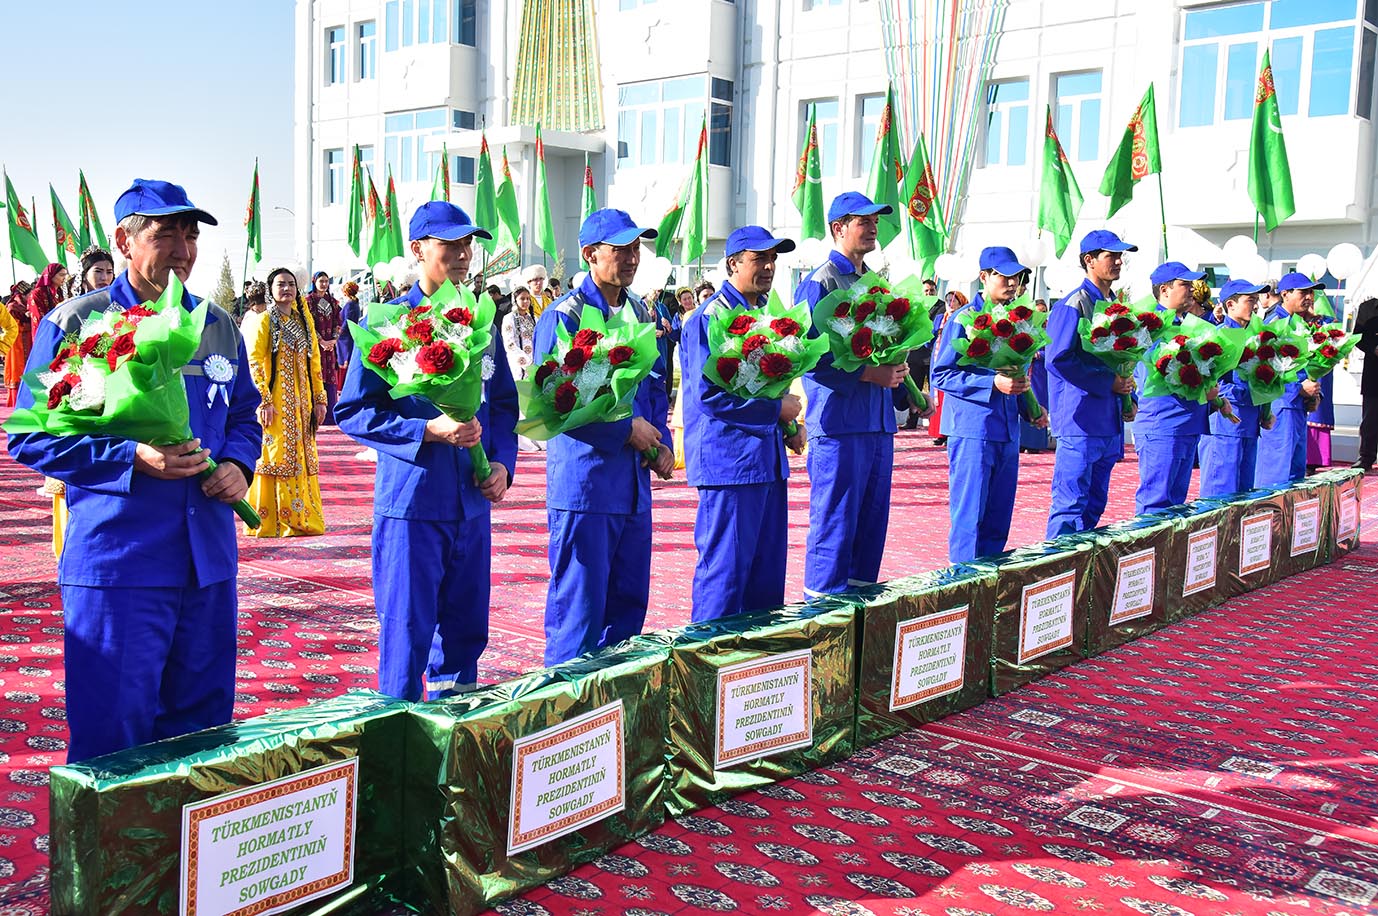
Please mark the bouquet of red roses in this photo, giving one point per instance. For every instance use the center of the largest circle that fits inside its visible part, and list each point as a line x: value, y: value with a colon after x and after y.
x: 1271, y: 358
x: 436, y: 350
x: 1326, y: 347
x: 120, y: 375
x: 591, y: 375
x: 874, y: 324
x: 1121, y: 335
x: 1004, y: 338
x: 1189, y: 363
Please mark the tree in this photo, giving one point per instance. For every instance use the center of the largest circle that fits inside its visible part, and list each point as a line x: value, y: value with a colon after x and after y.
x: 224, y: 295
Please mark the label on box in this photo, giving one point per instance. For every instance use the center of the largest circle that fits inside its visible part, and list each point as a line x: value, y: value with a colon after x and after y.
x: 1203, y: 550
x: 566, y: 777
x: 765, y: 707
x: 1306, y: 526
x: 1255, y: 543
x: 1349, y: 511
x: 1134, y: 586
x: 1045, y: 616
x: 271, y: 847
x: 930, y: 657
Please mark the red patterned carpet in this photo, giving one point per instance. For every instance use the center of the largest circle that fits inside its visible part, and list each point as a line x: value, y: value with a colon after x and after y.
x: 1121, y: 738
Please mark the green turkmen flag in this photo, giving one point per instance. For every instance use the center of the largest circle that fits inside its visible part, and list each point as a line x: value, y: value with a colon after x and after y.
x: 380, y: 244
x: 486, y: 198
x: 927, y: 231
x: 1270, y: 178
x: 394, y: 219
x: 1136, y: 157
x: 440, y: 190
x: 356, y: 202
x: 668, y: 228
x: 689, y: 212
x: 1059, y: 201
x: 590, y: 199
x: 63, y: 230
x: 887, y: 171
x: 253, y: 223
x: 808, y: 186
x: 545, y: 223
x: 91, y: 229
x: 508, y: 213
x: 24, y: 245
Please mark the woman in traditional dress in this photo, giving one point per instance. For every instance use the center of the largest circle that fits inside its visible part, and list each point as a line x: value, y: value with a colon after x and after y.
x: 518, y: 330
x: 285, y: 360
x: 46, y: 293
x: 17, y: 354
x: 325, y: 310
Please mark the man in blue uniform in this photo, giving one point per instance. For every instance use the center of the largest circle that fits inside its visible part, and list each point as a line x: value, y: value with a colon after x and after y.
x: 981, y: 410
x: 852, y: 419
x: 1229, y: 453
x: 148, y: 570
x: 432, y: 533
x: 1282, y: 449
x: 1168, y: 428
x: 598, y: 484
x: 1083, y: 394
x: 735, y: 452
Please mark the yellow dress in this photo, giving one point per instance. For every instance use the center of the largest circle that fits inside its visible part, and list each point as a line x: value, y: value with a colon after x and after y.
x: 286, y: 491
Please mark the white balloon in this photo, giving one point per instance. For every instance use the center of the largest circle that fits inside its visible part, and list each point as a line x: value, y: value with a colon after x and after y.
x: 1344, y: 260
x: 875, y: 259
x: 946, y: 266
x: 1062, y: 278
x: 1254, y: 269
x: 1313, y: 265
x: 382, y: 272
x: 1237, y: 247
x: 968, y: 268
x: 399, y: 267
x: 1035, y: 251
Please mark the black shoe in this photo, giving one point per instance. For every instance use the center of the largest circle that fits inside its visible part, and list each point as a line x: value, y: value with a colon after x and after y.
x: 1361, y: 464
x: 941, y: 440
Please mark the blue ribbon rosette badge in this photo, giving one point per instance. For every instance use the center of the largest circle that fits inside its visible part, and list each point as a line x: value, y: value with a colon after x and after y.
x: 219, y: 371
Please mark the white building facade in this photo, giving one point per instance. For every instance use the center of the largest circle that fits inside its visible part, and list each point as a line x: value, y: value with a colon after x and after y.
x: 401, y: 78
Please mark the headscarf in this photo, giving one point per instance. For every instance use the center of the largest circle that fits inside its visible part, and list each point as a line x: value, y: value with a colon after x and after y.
x: 46, y: 294
x: 45, y: 279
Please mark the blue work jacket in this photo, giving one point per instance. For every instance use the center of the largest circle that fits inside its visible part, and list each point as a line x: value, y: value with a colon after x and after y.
x: 1081, y: 399
x: 1235, y: 390
x: 972, y: 408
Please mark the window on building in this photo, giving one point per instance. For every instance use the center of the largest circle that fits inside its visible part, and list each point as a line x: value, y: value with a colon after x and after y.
x: 828, y: 124
x: 1076, y: 114
x: 404, y: 145
x: 366, y: 34
x: 720, y: 123
x: 1312, y: 46
x: 1007, y: 123
x: 1368, y: 62
x: 334, y: 177
x: 366, y: 158
x: 334, y: 55
x: 659, y: 121
x: 868, y: 112
x: 462, y: 168
x: 820, y: 4
x: 423, y: 22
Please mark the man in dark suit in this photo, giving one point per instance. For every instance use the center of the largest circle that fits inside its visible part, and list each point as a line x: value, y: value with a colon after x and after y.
x: 1366, y: 326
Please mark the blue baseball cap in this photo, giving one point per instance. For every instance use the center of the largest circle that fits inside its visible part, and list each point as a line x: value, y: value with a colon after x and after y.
x: 1240, y: 288
x: 1174, y: 270
x: 755, y: 238
x: 1296, y: 280
x: 1104, y: 240
x: 613, y: 227
x: 1001, y: 260
x: 854, y: 203
x: 440, y: 219
x: 150, y: 197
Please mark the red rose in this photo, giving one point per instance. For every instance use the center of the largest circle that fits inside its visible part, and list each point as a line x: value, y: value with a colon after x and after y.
x: 435, y: 359
x: 1267, y: 352
x: 743, y: 324
x: 1190, y: 376
x: 1329, y: 352
x: 134, y: 314
x: 785, y: 327
x: 1021, y: 313
x: 565, y: 397
x: 1264, y: 373
x: 981, y: 322
x: 61, y: 359
x: 1336, y: 334
x: 1122, y: 325
x: 1265, y: 336
x: 545, y: 371
x: 1150, y: 321
x: 1162, y: 364
x: 842, y: 311
x: 459, y: 315
x: 120, y: 347
x: 1247, y: 354
x: 861, y: 343
x: 1289, y: 351
x: 575, y: 359
x: 727, y: 367
x: 1100, y: 332
x: 1003, y: 328
x: 1210, y: 350
x: 1116, y: 308
x: 60, y: 390
x: 422, y: 332
x: 898, y: 308
x: 1184, y: 357
x: 384, y: 350
x: 89, y: 345
x: 776, y: 365
x: 620, y: 354
x: 1021, y: 342
x: 1319, y: 337
x: 877, y: 291
x: 417, y: 311
x: 865, y: 310
x: 1125, y: 343
x: 1180, y: 339
x: 978, y: 347
x: 587, y: 338
x: 753, y: 343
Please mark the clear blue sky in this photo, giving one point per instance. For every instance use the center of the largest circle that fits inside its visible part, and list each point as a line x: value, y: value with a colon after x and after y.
x: 190, y: 92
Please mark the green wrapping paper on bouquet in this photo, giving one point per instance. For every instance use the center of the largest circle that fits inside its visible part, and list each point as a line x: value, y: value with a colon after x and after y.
x: 940, y: 622
x: 757, y: 698
x: 1004, y: 339
x: 1130, y: 574
x: 1196, y: 560
x: 1190, y: 361
x: 520, y: 782
x: 117, y: 820
x: 1121, y: 335
x: 1041, y: 600
x: 1272, y: 356
x: 1346, y: 518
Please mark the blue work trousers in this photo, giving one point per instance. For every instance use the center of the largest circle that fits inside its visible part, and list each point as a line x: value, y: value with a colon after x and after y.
x: 1081, y: 481
x: 1282, y: 449
x: 849, y: 510
x: 982, y: 479
x: 1227, y: 465
x: 600, y: 581
x: 742, y: 537
x: 1165, y: 464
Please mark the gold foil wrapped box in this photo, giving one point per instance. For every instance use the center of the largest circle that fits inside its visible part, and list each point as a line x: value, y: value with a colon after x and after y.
x: 1129, y: 581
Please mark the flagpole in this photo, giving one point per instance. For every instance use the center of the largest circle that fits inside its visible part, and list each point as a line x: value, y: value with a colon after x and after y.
x: 1162, y: 212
